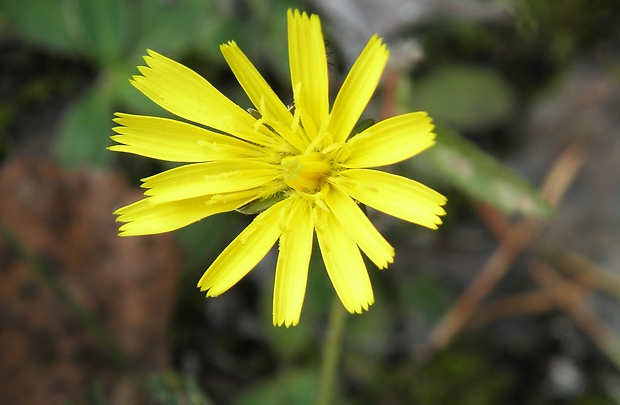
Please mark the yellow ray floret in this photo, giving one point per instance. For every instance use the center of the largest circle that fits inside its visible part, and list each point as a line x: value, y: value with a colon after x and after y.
x: 292, y: 266
x: 391, y: 141
x: 244, y: 252
x: 344, y: 264
x: 209, y: 178
x: 150, y: 137
x: 395, y: 195
x: 357, y: 89
x: 308, y: 63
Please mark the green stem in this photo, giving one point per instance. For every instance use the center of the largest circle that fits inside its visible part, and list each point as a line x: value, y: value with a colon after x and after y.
x: 331, y: 353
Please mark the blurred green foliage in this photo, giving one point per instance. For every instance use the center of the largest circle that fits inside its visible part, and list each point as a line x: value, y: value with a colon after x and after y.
x: 172, y: 388
x: 461, y: 377
x: 465, y: 97
x: 294, y: 387
x: 111, y: 35
x: 571, y: 27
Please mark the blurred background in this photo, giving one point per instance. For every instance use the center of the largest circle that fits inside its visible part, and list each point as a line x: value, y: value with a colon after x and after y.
x: 515, y: 300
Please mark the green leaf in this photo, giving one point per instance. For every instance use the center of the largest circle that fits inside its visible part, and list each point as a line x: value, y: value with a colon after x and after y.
x: 99, y: 27
x: 170, y: 27
x: 464, y: 97
x: 41, y: 22
x: 85, y: 131
x: 115, y: 82
x: 260, y: 205
x: 481, y: 177
x: 362, y: 126
x: 221, y: 29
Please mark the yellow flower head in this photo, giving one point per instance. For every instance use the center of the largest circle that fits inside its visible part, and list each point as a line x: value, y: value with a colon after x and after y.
x: 303, y: 158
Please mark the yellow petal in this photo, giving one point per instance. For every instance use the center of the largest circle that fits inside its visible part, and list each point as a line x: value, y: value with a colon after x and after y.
x: 293, y: 261
x: 176, y: 141
x: 186, y: 94
x: 308, y: 63
x: 357, y: 89
x: 359, y: 227
x: 395, y: 195
x: 145, y: 217
x: 390, y: 141
x: 208, y: 178
x: 273, y: 111
x: 243, y: 253
x: 344, y: 264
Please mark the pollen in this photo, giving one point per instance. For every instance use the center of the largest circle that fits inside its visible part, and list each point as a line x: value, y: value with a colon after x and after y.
x: 306, y: 172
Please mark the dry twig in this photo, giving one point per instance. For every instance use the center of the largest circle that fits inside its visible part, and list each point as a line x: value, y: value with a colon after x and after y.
x: 513, y: 240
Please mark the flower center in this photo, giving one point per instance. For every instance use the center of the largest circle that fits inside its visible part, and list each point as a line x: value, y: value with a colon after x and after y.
x: 305, y: 172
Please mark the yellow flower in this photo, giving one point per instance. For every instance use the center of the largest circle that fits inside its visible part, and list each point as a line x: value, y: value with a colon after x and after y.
x: 303, y: 157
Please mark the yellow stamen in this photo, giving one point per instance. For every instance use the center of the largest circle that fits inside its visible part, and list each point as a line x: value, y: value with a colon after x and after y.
x: 305, y: 172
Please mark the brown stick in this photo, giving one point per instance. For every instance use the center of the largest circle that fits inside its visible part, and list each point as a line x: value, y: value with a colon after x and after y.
x: 512, y: 243
x: 568, y: 296
x: 581, y: 268
x: 527, y: 303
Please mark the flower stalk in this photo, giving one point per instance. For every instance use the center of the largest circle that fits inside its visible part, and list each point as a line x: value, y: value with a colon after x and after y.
x: 332, y: 349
